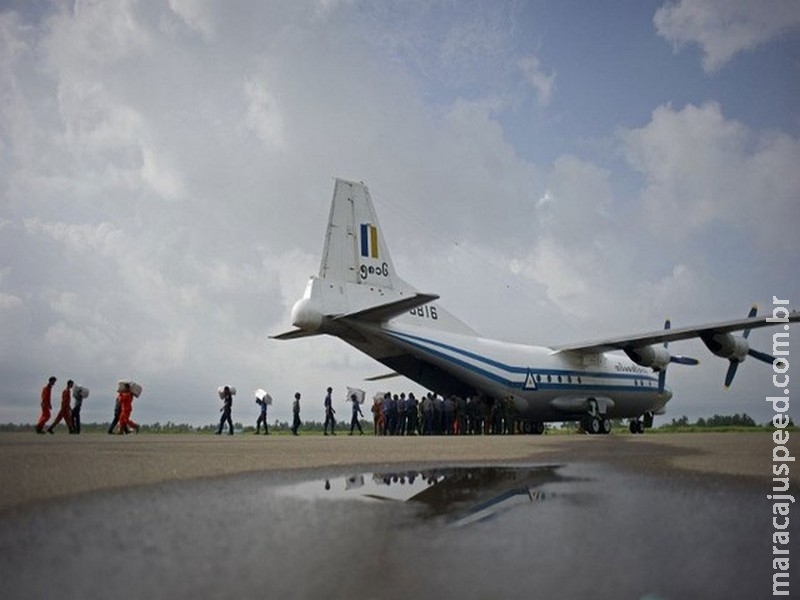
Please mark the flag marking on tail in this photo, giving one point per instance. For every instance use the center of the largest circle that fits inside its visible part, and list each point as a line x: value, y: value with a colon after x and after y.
x: 369, y: 241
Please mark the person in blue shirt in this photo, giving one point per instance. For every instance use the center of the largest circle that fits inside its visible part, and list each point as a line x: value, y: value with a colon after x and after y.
x: 262, y: 418
x: 356, y: 414
x: 329, y: 412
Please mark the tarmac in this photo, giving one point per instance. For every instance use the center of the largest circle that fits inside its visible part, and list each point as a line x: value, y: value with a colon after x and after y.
x: 176, y: 516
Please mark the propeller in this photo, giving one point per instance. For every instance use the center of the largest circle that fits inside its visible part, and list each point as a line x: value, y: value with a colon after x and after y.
x: 681, y: 360
x: 758, y: 355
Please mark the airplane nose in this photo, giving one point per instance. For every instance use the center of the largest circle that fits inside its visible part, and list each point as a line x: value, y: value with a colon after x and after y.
x: 305, y: 315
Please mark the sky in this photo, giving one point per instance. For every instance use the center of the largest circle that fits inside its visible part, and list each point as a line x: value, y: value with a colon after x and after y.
x: 556, y: 171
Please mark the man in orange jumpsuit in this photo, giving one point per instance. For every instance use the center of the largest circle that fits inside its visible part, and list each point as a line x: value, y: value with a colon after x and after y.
x: 46, y: 405
x: 126, y: 408
x: 65, y: 412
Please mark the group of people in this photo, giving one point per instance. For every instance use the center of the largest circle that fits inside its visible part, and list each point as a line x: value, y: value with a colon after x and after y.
x: 436, y: 415
x: 227, y: 392
x: 123, y: 407
x: 71, y: 415
x: 393, y: 414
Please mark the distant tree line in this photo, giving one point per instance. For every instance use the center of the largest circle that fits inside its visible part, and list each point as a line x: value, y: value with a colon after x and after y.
x: 681, y: 423
x: 718, y: 421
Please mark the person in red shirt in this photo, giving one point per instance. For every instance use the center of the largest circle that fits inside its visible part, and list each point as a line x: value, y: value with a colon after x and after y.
x: 65, y: 412
x: 46, y: 405
x: 126, y: 408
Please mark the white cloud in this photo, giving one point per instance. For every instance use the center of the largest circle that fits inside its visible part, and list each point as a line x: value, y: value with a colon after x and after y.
x: 196, y: 15
x: 94, y: 33
x: 723, y: 28
x: 700, y: 169
x: 9, y: 301
x: 263, y: 114
x: 165, y: 181
x: 542, y: 82
x: 103, y: 238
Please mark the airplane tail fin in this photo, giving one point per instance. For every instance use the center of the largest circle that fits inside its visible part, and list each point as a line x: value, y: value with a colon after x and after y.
x: 356, y: 280
x: 355, y: 250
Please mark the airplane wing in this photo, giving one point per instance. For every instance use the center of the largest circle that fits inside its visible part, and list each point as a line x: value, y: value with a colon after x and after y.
x: 670, y: 335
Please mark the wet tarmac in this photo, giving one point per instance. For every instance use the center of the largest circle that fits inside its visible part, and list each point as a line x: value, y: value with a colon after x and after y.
x: 575, y: 530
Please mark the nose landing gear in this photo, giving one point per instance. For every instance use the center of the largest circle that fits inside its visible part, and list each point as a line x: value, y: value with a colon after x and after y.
x: 639, y: 425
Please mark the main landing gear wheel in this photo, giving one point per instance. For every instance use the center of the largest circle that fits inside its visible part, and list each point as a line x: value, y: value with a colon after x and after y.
x: 533, y: 427
x: 596, y: 425
x: 591, y: 425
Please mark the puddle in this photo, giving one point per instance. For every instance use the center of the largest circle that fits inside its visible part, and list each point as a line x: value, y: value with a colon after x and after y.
x: 458, y: 495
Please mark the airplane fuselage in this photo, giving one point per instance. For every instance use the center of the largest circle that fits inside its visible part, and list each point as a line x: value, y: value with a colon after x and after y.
x: 542, y: 384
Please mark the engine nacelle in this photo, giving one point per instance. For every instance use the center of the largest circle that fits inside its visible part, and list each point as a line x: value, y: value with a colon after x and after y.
x: 655, y: 357
x: 726, y: 345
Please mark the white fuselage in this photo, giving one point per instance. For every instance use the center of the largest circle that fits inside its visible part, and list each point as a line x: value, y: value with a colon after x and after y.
x: 544, y: 385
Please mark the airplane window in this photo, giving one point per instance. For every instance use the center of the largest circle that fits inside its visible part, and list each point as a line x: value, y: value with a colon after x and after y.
x: 539, y: 378
x: 579, y: 378
x: 549, y: 379
x: 559, y: 379
x: 569, y: 378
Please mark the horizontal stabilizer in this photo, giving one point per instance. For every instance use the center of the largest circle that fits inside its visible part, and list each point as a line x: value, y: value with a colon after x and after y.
x: 382, y: 377
x: 384, y: 312
x: 294, y: 334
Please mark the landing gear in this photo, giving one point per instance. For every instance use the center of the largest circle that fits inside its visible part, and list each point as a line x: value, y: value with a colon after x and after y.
x: 639, y: 425
x: 636, y: 426
x: 591, y: 425
x: 533, y: 427
x: 594, y: 422
x: 596, y: 425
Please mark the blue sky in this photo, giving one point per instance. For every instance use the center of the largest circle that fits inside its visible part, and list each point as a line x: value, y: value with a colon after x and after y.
x: 555, y: 172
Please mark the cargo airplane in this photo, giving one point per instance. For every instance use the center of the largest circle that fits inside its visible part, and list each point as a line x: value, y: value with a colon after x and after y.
x: 358, y: 297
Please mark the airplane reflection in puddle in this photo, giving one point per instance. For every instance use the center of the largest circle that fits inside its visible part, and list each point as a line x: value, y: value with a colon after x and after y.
x: 460, y: 495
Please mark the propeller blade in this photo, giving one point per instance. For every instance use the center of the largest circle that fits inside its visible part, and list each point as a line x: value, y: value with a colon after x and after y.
x: 662, y: 378
x: 750, y: 315
x: 762, y: 356
x: 731, y: 372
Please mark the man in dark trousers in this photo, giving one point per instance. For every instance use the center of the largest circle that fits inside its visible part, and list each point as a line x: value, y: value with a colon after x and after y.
x: 356, y: 414
x: 77, y: 394
x: 262, y: 417
x: 329, y: 412
x: 296, y: 413
x: 227, y: 405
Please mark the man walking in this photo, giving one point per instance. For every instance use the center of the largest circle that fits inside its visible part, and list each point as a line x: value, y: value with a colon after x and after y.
x: 77, y: 394
x: 262, y: 418
x: 64, y: 412
x: 46, y: 405
x: 296, y: 413
x: 329, y: 412
x: 227, y: 405
x: 354, y: 422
